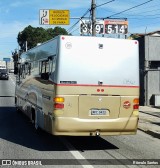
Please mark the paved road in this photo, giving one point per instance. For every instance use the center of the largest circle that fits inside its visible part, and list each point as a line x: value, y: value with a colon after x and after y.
x: 18, y: 140
x: 150, y: 120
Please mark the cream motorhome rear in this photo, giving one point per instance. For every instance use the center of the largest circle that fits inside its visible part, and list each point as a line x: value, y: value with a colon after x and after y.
x: 92, y: 89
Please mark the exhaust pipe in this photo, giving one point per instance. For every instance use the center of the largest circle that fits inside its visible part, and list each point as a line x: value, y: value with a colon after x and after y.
x: 97, y: 133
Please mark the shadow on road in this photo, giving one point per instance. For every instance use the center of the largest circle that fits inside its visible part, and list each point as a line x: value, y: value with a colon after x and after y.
x: 90, y: 143
x: 16, y: 128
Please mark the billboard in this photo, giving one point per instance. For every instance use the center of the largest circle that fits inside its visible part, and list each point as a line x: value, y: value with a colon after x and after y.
x: 86, y: 27
x: 116, y: 27
x: 104, y: 27
x: 7, y: 59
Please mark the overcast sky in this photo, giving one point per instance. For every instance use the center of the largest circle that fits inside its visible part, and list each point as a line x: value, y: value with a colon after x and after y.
x: 18, y: 14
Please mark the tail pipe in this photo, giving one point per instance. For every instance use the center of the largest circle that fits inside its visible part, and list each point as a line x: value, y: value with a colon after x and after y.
x: 97, y: 133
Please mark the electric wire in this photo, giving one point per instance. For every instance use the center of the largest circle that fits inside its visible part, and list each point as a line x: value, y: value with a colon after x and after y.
x: 129, y: 9
x: 89, y: 10
x: 139, y: 16
x: 104, y: 3
x: 72, y: 27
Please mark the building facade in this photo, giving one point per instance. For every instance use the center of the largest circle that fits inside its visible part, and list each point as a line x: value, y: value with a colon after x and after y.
x: 149, y: 54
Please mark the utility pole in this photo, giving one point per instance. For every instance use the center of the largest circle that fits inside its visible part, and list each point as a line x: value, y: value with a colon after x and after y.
x: 93, y: 9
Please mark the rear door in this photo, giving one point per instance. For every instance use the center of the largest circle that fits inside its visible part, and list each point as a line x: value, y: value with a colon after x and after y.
x: 99, y: 107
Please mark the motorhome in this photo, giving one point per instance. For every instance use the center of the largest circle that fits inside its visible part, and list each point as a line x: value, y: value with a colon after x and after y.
x: 80, y: 86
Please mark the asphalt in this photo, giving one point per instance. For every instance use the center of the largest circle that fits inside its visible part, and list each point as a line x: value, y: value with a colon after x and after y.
x: 149, y: 120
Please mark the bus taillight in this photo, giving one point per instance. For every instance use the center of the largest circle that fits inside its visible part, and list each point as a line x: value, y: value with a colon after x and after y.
x: 136, y: 104
x: 58, y: 102
x: 59, y: 99
x: 58, y: 106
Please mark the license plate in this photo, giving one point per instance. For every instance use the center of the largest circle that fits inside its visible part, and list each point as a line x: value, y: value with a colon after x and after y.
x: 99, y: 112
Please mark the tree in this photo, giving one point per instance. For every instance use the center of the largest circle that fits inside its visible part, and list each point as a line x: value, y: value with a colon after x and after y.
x: 33, y: 36
x: 135, y: 36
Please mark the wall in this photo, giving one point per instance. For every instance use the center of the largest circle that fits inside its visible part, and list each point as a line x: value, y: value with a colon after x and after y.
x: 149, y: 54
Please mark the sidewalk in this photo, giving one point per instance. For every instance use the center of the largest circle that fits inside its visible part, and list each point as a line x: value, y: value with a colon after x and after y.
x: 149, y: 120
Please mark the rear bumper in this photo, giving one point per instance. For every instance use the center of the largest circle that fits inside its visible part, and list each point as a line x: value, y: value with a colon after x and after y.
x: 87, y: 127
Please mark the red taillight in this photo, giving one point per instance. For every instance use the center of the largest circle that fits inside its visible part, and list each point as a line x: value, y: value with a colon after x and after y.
x: 136, y: 106
x: 58, y: 106
x: 58, y: 102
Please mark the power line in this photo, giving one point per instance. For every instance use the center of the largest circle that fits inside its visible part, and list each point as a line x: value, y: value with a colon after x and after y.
x: 104, y: 3
x: 74, y: 30
x: 144, y: 18
x: 72, y: 27
x: 151, y: 6
x: 135, y: 13
x: 129, y: 9
x: 89, y: 10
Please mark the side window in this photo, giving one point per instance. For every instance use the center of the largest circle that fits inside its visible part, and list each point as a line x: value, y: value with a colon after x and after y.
x: 23, y: 70
x: 53, y: 65
x: 44, y: 69
x: 19, y: 73
x: 22, y: 74
x: 27, y: 68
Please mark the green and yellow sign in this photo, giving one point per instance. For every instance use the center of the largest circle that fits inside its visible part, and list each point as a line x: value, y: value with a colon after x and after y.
x: 54, y: 17
x: 59, y: 17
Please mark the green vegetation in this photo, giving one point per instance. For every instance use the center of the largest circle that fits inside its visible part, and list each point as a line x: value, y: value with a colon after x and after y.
x: 33, y: 36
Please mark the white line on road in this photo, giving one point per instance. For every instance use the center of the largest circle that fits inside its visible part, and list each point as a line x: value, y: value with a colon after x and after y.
x: 74, y: 152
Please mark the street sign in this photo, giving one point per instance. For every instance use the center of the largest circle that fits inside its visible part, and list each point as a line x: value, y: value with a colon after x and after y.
x: 7, y: 59
x: 54, y: 17
x: 44, y: 17
x: 59, y: 17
